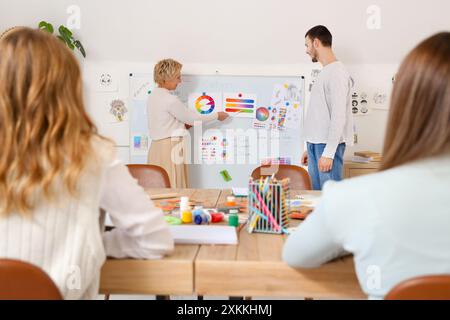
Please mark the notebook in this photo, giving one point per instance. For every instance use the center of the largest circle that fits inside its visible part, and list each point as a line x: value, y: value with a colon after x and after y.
x: 195, y: 234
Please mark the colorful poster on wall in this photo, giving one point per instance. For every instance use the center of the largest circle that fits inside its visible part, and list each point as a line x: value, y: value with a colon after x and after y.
x: 266, y: 118
x: 205, y: 102
x: 293, y: 116
x: 285, y: 92
x: 213, y: 149
x: 241, y: 105
x: 140, y: 144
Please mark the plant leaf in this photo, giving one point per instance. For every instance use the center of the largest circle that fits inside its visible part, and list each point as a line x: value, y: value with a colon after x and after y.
x: 80, y: 47
x: 66, y: 37
x: 66, y: 31
x: 43, y: 25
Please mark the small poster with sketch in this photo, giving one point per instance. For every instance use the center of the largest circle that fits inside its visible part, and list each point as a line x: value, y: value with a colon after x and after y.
x: 106, y: 81
x: 360, y: 104
x: 285, y: 92
x: 118, y: 112
x: 294, y: 115
x: 140, y: 87
x: 140, y: 144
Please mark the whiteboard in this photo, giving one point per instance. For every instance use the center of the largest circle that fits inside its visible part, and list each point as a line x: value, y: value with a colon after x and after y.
x: 245, y: 146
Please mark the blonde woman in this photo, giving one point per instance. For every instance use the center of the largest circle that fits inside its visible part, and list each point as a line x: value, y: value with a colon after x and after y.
x: 56, y: 172
x: 167, y: 117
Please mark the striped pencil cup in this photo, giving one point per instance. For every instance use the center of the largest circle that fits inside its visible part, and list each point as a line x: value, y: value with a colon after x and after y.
x: 268, y: 207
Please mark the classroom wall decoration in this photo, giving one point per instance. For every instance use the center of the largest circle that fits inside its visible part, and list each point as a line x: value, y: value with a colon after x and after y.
x: 140, y: 144
x: 205, y: 103
x: 250, y: 102
x: 140, y: 87
x: 314, y: 75
x: 118, y: 110
x: 360, y: 104
x: 239, y: 104
x: 106, y: 82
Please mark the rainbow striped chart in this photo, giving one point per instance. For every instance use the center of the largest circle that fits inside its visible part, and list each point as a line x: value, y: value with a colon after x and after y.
x: 205, y: 102
x: 239, y: 104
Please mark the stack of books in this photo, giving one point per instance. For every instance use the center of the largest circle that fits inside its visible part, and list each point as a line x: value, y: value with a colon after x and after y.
x: 366, y: 157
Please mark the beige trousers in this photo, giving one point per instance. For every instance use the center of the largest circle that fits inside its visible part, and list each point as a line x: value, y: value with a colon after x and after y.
x: 170, y: 154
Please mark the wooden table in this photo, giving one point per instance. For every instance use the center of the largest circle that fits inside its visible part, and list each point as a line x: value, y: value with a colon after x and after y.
x: 251, y: 268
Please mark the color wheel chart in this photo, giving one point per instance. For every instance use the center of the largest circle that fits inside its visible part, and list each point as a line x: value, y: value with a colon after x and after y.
x: 239, y: 104
x: 262, y: 114
x: 205, y: 104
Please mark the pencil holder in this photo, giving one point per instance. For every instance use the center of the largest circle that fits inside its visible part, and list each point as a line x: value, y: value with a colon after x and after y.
x: 268, y: 207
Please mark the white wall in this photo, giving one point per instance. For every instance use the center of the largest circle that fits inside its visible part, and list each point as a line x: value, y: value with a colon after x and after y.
x: 368, y: 78
x: 236, y: 37
x: 236, y: 31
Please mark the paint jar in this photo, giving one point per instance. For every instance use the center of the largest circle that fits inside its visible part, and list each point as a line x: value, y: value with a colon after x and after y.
x: 216, y: 217
x: 197, y: 210
x: 233, y: 218
x: 231, y: 201
x: 184, y: 203
x: 186, y: 214
x: 201, y: 218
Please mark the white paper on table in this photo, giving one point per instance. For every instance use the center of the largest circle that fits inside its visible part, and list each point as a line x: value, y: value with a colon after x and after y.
x: 195, y: 234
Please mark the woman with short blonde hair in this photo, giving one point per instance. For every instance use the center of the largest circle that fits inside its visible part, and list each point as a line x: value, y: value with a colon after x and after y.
x: 167, y: 119
x: 56, y: 171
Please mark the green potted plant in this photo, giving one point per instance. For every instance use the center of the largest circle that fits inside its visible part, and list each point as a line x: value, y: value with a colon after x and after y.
x: 65, y: 35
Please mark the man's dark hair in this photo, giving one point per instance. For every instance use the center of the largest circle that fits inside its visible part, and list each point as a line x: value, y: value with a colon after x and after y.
x: 321, y: 33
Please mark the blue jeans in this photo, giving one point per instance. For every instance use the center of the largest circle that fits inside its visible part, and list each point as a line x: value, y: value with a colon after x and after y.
x: 318, y: 178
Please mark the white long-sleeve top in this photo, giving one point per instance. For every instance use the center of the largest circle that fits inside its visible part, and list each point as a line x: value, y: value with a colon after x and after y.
x: 64, y: 238
x: 329, y: 117
x: 167, y: 115
x: 396, y: 223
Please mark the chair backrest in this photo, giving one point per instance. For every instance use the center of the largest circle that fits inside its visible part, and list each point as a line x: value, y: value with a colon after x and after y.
x: 435, y: 287
x: 299, y: 177
x: 23, y: 281
x: 149, y: 176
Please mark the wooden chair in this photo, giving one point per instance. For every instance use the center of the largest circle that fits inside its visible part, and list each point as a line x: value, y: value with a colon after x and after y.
x: 300, y: 179
x: 23, y: 281
x: 149, y: 176
x: 436, y: 287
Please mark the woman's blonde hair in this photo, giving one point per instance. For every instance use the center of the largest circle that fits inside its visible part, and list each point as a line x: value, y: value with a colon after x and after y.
x: 166, y: 69
x: 45, y: 132
x: 419, y: 117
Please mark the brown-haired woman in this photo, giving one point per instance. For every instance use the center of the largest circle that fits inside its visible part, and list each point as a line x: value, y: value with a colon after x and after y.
x: 396, y: 222
x: 56, y: 172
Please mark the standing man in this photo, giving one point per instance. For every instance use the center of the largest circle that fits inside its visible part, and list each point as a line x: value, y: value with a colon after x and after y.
x: 329, y: 123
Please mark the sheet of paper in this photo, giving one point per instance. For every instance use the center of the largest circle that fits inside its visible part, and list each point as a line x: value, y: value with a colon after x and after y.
x: 205, y: 102
x: 194, y: 234
x: 240, y: 192
x: 266, y: 118
x: 238, y: 104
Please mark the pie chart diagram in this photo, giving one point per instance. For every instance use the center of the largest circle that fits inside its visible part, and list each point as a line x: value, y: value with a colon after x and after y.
x: 205, y: 104
x: 262, y: 114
